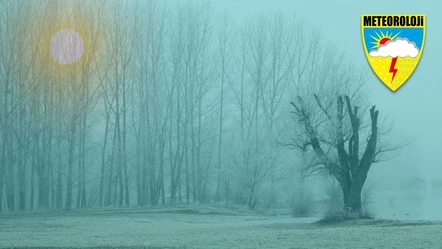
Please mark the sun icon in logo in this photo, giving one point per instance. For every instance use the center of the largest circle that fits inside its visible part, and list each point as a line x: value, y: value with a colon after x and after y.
x: 382, y: 38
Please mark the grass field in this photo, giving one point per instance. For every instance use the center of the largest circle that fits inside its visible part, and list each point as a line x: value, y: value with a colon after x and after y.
x: 208, y: 228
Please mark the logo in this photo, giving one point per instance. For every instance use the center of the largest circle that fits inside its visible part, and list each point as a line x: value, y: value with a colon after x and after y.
x: 393, y: 45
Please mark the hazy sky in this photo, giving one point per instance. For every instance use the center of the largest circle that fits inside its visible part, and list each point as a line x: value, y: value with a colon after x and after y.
x: 416, y: 106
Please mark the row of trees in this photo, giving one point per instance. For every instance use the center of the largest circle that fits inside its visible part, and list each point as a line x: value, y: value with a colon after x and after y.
x: 167, y: 105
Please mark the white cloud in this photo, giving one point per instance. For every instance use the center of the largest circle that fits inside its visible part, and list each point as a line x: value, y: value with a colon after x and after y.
x: 399, y: 47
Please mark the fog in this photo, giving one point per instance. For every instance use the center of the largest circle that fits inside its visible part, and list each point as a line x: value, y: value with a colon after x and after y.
x: 414, y: 107
x: 254, y: 106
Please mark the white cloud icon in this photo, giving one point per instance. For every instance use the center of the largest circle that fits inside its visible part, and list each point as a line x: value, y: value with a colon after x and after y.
x: 399, y: 47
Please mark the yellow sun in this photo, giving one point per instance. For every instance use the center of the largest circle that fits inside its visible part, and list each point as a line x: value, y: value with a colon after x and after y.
x: 68, y: 41
x: 382, y: 38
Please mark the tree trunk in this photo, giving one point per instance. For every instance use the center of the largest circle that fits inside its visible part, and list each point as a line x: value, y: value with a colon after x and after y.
x: 187, y: 174
x: 22, y: 188
x: 79, y: 182
x: 226, y: 188
x: 60, y: 151
x: 22, y: 160
x: 32, y: 191
x: 144, y: 184
x: 352, y: 202
x: 140, y: 201
x: 120, y: 185
x: 83, y: 149
x: 252, y: 202
x: 1, y: 184
x: 43, y: 190
x: 59, y: 201
x: 10, y: 193
x: 110, y: 182
x: 10, y: 200
x: 70, y: 165
x: 161, y: 179
x: 103, y: 158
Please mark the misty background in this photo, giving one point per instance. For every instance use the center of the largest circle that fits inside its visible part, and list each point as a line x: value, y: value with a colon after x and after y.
x: 411, y: 105
x: 414, y: 108
x: 402, y: 187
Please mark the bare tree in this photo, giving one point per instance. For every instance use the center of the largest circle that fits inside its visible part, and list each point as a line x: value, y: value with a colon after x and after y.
x: 225, y: 44
x: 330, y: 123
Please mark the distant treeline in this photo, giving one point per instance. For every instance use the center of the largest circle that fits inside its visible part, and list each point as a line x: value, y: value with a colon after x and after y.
x: 169, y: 103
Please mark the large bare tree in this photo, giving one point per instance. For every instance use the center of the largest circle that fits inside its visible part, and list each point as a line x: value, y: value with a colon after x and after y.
x: 334, y: 123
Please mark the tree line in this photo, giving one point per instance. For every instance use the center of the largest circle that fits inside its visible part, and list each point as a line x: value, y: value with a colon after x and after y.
x: 169, y: 104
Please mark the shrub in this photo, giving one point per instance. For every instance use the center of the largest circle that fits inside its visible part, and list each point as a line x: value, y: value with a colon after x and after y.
x: 302, y: 202
x: 334, y: 197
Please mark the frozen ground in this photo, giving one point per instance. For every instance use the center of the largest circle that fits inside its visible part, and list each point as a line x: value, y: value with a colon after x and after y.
x: 208, y: 228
